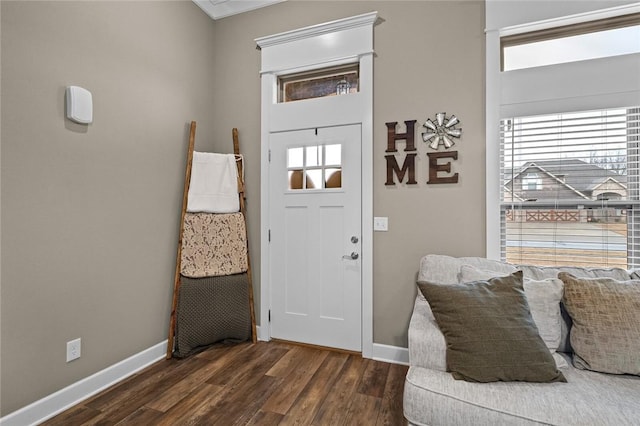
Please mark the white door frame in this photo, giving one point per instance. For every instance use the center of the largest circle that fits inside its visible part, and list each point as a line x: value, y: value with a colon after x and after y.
x: 338, y: 42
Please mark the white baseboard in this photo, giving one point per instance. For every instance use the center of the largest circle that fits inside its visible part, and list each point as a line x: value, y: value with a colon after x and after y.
x: 391, y: 354
x: 63, y: 399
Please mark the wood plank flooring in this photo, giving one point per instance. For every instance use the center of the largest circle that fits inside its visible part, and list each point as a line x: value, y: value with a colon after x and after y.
x: 272, y: 383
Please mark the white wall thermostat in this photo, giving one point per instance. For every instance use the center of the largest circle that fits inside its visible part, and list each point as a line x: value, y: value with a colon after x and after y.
x: 79, y: 105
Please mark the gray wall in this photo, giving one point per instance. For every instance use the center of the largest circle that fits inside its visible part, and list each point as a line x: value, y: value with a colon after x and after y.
x: 90, y: 213
x: 90, y: 218
x: 429, y: 59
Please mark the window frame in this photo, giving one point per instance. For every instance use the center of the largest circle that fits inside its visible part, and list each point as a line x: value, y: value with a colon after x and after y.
x: 564, y: 31
x: 618, y: 85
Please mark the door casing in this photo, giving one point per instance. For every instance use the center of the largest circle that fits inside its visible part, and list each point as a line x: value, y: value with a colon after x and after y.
x: 307, y: 49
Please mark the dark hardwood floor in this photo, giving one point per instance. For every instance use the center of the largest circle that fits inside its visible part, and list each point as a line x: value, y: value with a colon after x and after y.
x: 273, y: 383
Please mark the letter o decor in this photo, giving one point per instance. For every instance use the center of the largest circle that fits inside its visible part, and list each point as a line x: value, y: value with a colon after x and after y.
x: 442, y: 131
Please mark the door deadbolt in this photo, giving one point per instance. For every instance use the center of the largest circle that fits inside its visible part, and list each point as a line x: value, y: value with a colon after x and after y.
x: 354, y: 239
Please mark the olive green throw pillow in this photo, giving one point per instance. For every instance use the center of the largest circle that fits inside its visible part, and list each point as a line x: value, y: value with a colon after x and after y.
x: 489, y: 331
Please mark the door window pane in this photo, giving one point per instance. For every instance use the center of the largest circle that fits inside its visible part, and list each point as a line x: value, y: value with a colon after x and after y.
x: 333, y: 155
x: 314, y: 154
x: 295, y: 179
x: 314, y: 178
x: 295, y: 157
x: 333, y: 178
x: 314, y: 167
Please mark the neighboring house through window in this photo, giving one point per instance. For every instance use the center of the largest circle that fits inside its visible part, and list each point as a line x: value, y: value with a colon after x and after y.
x: 568, y: 188
x: 575, y: 209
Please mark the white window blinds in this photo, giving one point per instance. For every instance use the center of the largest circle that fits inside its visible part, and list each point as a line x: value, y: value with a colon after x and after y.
x: 570, y: 188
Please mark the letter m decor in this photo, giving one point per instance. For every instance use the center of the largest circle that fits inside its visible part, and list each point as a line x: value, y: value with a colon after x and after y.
x: 393, y: 168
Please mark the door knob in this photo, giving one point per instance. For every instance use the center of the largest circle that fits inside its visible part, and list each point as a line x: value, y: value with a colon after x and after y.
x: 352, y: 256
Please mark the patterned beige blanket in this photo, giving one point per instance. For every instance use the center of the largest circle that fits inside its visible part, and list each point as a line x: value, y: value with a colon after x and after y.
x: 213, y: 245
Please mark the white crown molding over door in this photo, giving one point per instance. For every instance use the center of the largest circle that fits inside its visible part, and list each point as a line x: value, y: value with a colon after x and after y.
x: 343, y: 41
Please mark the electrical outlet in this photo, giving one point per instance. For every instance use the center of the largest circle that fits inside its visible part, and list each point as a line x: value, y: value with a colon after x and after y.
x: 73, y: 350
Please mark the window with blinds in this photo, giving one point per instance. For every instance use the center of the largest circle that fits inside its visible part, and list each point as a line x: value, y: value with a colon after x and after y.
x: 570, y: 189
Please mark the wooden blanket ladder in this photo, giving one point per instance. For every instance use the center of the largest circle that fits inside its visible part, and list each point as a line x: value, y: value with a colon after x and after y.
x: 241, y: 195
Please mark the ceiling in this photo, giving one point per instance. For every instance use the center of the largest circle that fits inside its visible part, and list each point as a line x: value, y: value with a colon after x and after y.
x: 218, y: 9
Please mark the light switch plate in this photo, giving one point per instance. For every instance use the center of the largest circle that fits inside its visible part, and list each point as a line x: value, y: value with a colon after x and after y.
x: 380, y: 223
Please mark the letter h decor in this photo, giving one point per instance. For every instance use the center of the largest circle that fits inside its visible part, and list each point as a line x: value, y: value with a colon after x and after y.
x: 409, y: 164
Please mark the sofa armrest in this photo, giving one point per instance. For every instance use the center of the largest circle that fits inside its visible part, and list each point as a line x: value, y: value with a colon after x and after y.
x: 427, y: 347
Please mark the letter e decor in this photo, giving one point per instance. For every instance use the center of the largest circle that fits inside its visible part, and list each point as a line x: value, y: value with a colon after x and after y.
x: 435, y: 167
x: 441, y: 133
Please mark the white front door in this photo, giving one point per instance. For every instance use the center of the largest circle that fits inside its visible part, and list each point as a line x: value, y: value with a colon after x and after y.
x: 315, y: 233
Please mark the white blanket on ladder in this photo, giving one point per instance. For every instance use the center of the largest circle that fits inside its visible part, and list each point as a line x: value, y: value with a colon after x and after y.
x: 214, y: 186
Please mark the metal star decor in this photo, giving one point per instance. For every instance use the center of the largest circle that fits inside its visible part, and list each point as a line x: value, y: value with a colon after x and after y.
x: 442, y: 131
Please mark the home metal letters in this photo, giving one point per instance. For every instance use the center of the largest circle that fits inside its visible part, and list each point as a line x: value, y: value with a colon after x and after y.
x: 438, y: 133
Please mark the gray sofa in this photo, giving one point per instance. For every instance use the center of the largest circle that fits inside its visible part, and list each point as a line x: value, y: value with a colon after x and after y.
x: 433, y: 397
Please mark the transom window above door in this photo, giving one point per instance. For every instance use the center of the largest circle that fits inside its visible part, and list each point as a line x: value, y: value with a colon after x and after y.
x: 321, y: 83
x: 315, y: 167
